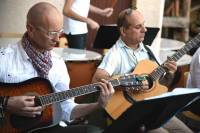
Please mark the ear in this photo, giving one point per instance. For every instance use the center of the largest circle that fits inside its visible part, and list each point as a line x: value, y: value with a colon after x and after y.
x: 30, y: 29
x: 122, y: 31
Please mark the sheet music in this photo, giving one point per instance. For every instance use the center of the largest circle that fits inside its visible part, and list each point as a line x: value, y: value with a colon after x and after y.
x: 176, y: 91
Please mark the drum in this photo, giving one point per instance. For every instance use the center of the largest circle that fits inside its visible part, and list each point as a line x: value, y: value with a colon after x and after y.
x: 81, y: 64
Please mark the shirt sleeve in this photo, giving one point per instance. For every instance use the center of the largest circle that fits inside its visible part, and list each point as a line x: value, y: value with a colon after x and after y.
x: 67, y: 105
x: 62, y: 84
x: 110, y: 62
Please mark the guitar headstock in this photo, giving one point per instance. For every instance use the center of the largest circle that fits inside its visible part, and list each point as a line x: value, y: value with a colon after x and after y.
x: 131, y: 80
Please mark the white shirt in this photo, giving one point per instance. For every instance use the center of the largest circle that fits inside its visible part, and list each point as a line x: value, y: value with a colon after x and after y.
x: 121, y: 59
x: 16, y: 67
x: 194, y: 75
x: 81, y: 7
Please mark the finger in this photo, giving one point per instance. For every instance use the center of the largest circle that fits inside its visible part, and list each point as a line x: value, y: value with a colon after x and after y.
x: 97, y: 27
x: 32, y: 109
x: 171, y: 64
x: 103, y: 88
x: 29, y: 98
x: 37, y: 113
x: 111, y: 89
x: 29, y: 103
x: 106, y: 84
x: 26, y: 114
x: 32, y: 114
x: 169, y: 58
x: 171, y: 68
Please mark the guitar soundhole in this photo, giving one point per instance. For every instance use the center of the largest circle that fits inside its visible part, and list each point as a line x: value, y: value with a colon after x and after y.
x: 146, y: 85
x: 22, y: 122
x: 150, y: 82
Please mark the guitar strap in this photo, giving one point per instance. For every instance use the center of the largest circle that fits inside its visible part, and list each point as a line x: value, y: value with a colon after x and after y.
x: 151, y: 55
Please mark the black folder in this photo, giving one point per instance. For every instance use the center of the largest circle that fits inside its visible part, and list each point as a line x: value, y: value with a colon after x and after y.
x: 150, y: 35
x: 151, y: 113
x: 107, y: 35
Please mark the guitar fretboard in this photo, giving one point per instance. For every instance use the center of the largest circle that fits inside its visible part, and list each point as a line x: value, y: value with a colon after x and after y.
x: 157, y: 73
x: 78, y: 91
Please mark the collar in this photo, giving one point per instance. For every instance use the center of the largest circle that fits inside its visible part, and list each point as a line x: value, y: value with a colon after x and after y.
x: 23, y: 52
x: 123, y: 45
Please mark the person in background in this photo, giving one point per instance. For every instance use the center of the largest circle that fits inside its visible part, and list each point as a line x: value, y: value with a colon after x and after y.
x: 33, y: 57
x: 193, y: 81
x: 194, y: 75
x: 127, y: 52
x: 76, y: 20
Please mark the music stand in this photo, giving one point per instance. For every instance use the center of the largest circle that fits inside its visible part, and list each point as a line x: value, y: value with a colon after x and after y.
x: 107, y: 35
x: 150, y: 35
x: 151, y: 113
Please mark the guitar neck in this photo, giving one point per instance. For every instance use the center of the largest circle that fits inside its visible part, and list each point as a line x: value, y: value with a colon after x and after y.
x: 74, y: 92
x: 157, y: 73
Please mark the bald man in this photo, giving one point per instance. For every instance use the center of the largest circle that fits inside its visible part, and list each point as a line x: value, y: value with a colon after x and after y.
x: 32, y: 57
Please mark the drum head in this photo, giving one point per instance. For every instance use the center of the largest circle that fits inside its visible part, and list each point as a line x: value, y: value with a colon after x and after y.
x: 70, y: 54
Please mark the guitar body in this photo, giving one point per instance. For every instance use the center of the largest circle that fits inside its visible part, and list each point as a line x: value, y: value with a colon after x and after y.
x: 13, y: 123
x: 118, y: 104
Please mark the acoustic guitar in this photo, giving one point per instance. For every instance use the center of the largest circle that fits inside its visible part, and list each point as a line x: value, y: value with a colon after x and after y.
x: 119, y: 104
x: 43, y: 90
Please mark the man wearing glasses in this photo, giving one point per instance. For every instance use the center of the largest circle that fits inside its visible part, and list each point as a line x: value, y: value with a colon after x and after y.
x: 32, y: 57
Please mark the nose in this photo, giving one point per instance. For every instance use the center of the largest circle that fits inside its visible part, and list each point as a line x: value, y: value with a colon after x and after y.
x: 144, y: 29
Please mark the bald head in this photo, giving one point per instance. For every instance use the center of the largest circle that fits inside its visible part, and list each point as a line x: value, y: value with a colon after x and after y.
x: 44, y: 25
x: 132, y: 28
x: 125, y: 15
x: 40, y: 14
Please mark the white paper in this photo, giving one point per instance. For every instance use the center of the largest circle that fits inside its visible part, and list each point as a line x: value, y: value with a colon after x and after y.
x: 175, y: 92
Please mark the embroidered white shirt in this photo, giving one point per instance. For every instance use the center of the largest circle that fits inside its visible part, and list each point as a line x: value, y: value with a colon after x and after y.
x: 17, y: 67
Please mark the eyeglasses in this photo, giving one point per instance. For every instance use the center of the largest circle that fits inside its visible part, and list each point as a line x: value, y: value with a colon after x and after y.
x: 51, y: 34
